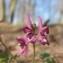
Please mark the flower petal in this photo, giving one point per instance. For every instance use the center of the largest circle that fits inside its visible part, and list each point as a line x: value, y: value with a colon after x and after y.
x: 39, y: 23
x: 33, y: 39
x: 23, y: 51
x: 26, y: 29
x: 45, y: 41
x: 26, y: 39
x: 39, y: 37
x: 29, y: 23
x: 20, y: 39
x: 45, y: 29
x: 42, y: 39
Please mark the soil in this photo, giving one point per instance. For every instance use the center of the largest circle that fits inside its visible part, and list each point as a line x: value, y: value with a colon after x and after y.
x: 55, y: 48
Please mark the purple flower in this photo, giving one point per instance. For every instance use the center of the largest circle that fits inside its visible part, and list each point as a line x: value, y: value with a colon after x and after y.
x: 23, y: 42
x: 29, y: 23
x: 33, y: 39
x: 28, y: 30
x: 23, y: 51
x: 42, y: 32
x: 31, y: 36
x: 45, y: 41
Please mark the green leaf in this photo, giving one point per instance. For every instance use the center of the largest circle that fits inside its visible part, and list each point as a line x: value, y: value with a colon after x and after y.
x: 47, y: 58
x: 50, y: 60
x: 44, y: 55
x: 1, y: 61
x: 4, y: 57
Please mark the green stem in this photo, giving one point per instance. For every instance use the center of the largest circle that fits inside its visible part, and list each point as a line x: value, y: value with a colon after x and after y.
x: 4, y: 45
x: 33, y: 53
x: 7, y: 49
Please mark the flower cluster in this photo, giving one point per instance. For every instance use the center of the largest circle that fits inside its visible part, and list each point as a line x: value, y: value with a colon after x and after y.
x: 32, y: 36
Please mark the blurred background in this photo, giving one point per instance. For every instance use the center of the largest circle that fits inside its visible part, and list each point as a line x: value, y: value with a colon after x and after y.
x: 13, y: 12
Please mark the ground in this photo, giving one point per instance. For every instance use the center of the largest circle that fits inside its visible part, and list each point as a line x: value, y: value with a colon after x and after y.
x: 55, y: 38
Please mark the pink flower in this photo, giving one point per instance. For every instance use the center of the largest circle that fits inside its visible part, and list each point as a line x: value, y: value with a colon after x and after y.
x: 45, y: 41
x: 23, y: 42
x: 31, y: 36
x: 23, y: 51
x: 29, y: 23
x: 42, y: 32
x: 28, y: 30
x: 33, y: 39
x: 1, y: 21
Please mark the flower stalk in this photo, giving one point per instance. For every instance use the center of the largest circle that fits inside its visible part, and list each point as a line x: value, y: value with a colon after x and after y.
x: 33, y: 53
